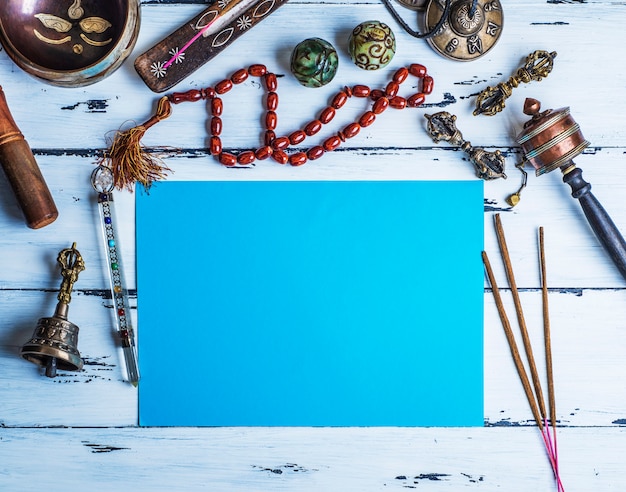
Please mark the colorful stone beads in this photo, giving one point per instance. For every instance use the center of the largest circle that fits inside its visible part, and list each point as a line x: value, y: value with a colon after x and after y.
x: 372, y: 45
x: 314, y: 62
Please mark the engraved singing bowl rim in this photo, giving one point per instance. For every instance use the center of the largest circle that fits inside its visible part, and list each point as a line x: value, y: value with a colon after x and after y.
x: 550, y: 139
x: 89, y: 73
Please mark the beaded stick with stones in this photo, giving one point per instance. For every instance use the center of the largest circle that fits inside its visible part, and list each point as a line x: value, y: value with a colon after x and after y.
x: 130, y: 163
x: 102, y: 182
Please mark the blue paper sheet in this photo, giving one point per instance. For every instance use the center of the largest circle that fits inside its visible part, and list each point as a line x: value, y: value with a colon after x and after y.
x: 310, y: 303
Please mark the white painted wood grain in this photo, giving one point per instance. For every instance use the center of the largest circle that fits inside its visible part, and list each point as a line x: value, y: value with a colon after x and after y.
x: 71, y: 118
x: 99, y: 446
x: 588, y: 341
x: 309, y: 460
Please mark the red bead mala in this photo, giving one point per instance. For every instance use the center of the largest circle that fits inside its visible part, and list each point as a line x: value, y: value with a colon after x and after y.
x: 130, y: 163
x: 274, y: 146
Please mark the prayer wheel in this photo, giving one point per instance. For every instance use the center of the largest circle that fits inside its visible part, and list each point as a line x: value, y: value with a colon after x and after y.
x: 550, y: 140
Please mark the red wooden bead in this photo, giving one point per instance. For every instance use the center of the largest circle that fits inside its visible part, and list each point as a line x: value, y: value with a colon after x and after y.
x: 246, y: 157
x: 367, y: 119
x: 376, y: 94
x: 415, y: 100
x: 228, y: 159
x: 239, y: 76
x: 271, y: 120
x: 313, y: 127
x: 351, y: 130
x: 215, y: 145
x: 271, y: 83
x: 417, y: 70
x: 217, y: 106
x: 216, y: 126
x: 264, y: 152
x: 208, y: 93
x: 315, y: 152
x: 428, y: 83
x: 280, y: 157
x: 280, y: 143
x: 272, y: 101
x: 270, y: 136
x: 327, y: 115
x: 257, y: 70
x: 400, y: 75
x: 397, y: 102
x: 331, y: 143
x: 297, y: 137
x: 347, y: 90
x: 339, y: 100
x: 380, y: 105
x: 224, y: 86
x: 190, y: 96
x: 392, y: 89
x: 361, y: 91
x: 297, y: 159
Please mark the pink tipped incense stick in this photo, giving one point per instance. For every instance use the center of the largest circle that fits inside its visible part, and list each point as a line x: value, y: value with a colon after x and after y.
x: 199, y: 40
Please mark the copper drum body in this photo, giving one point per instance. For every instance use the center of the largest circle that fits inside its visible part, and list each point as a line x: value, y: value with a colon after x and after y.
x: 69, y: 43
x: 550, y: 139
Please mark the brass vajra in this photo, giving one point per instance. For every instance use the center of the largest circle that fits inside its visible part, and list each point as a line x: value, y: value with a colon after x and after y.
x: 488, y: 165
x: 537, y: 66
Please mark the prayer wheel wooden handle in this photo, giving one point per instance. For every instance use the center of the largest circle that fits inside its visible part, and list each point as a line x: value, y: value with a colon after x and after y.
x: 604, y: 228
x: 22, y: 172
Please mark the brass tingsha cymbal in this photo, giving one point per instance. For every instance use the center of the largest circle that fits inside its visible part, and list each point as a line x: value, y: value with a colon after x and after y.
x: 69, y: 42
x: 471, y: 30
x: 413, y: 4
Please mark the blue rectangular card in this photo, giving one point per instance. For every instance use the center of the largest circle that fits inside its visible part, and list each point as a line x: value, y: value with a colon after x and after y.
x: 310, y: 303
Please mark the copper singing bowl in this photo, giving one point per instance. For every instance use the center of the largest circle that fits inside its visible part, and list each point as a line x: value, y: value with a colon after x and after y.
x: 69, y: 43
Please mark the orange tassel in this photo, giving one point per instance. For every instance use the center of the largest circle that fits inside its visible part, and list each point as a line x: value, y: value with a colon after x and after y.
x: 129, y: 160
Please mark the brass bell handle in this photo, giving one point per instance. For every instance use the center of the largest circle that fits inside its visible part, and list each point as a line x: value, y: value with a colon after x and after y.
x: 488, y: 165
x: 71, y: 265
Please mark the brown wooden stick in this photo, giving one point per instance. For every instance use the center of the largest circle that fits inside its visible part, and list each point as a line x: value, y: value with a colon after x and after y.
x: 22, y: 172
x: 519, y: 365
x: 546, y: 329
x: 520, y: 314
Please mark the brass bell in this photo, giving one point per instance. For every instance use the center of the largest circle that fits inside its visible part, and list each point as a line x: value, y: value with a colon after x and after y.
x: 54, y: 342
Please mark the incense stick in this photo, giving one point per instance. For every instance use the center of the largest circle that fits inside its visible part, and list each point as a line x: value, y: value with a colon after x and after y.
x: 517, y: 359
x: 520, y: 314
x: 224, y: 14
x: 535, y: 400
x: 546, y: 328
x: 548, y: 346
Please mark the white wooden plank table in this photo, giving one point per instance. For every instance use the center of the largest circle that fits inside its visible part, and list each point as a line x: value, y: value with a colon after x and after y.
x: 80, y: 429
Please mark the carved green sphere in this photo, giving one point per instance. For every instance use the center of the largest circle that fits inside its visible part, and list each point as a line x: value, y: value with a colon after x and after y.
x: 372, y: 45
x: 314, y: 62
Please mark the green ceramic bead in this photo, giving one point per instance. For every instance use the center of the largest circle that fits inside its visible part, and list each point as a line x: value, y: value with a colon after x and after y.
x: 314, y: 62
x: 372, y: 45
